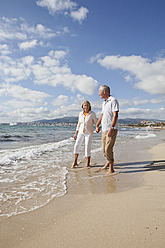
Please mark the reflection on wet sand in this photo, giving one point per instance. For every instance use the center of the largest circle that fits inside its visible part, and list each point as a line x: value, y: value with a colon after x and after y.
x: 93, y: 180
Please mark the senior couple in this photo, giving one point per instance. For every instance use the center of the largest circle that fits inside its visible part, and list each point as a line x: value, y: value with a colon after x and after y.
x: 109, y: 121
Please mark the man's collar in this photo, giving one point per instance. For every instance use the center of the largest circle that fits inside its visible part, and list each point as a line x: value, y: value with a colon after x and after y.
x: 109, y: 98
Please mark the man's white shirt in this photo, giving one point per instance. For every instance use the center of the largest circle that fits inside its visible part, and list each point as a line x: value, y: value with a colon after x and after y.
x: 108, y: 107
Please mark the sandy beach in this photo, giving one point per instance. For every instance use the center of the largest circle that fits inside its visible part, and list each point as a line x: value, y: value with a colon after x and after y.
x: 124, y: 210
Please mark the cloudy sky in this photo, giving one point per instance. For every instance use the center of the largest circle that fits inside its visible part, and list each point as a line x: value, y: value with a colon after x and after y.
x: 56, y: 53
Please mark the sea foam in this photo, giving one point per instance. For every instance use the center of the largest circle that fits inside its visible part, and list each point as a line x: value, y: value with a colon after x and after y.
x: 32, y: 176
x: 12, y: 156
x: 145, y: 136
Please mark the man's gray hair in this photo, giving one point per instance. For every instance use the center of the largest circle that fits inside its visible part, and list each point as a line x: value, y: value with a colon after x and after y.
x: 106, y: 88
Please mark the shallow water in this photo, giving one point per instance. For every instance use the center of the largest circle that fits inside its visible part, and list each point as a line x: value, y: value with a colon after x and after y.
x: 35, y: 161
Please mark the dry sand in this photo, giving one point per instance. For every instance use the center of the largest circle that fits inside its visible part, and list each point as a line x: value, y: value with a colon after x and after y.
x: 112, y: 214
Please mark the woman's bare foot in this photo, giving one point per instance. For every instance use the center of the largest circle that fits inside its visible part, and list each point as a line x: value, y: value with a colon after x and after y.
x: 74, y: 165
x: 75, y: 161
x: 88, y: 162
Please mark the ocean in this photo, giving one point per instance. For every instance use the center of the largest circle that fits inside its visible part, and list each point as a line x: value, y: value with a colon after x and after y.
x: 34, y: 162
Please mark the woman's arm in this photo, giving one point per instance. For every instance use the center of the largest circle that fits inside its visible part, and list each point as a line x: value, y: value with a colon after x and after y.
x: 75, y: 135
x: 77, y: 128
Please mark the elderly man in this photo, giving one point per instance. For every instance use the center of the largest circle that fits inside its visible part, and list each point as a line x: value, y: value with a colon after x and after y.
x: 109, y: 121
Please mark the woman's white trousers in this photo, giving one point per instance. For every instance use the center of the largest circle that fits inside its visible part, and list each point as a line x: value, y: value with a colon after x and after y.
x: 88, y: 143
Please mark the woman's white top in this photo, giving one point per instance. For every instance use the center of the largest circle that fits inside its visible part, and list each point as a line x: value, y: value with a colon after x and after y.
x: 85, y: 124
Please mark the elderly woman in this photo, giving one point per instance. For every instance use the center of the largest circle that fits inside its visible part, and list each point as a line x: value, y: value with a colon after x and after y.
x: 84, y: 130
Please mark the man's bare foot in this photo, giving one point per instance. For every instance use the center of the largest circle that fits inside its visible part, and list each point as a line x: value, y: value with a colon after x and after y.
x: 105, y: 167
x: 110, y: 172
x: 87, y: 166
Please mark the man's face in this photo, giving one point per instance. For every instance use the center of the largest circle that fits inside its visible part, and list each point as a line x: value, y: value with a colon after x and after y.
x: 101, y: 93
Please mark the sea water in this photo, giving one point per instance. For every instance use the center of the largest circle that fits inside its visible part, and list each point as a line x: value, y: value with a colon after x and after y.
x: 34, y: 162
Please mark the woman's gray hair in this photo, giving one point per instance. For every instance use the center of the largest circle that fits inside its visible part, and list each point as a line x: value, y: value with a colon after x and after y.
x: 106, y: 88
x: 87, y: 103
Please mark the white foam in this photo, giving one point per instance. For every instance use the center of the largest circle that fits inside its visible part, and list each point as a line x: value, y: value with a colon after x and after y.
x: 30, y: 177
x: 145, y: 136
x: 14, y: 155
x: 36, y: 191
x: 96, y: 150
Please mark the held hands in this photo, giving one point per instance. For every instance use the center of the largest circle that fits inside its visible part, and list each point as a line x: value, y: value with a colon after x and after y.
x: 98, y: 129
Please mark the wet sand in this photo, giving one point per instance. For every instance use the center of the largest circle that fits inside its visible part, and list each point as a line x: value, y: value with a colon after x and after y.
x: 123, y: 210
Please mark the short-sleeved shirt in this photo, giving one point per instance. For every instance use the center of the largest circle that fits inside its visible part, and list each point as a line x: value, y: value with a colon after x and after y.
x: 108, y: 107
x: 85, y: 124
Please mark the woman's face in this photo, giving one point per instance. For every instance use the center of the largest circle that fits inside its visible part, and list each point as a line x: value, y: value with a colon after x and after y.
x: 85, y: 108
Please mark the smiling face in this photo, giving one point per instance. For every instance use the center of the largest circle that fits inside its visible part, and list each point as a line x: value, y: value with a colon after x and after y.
x: 101, y: 93
x: 85, y: 108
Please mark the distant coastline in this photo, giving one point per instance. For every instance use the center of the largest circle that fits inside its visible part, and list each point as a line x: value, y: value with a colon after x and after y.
x: 72, y: 121
x: 154, y: 126
x: 147, y: 124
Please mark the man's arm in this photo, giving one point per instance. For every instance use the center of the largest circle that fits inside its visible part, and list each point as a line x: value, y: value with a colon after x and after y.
x: 114, y: 120
x: 98, y: 123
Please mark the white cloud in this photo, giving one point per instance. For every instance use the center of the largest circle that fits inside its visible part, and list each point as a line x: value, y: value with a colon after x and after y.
x: 66, y: 110
x: 15, y: 104
x: 142, y: 113
x: 29, y: 114
x: 95, y: 58
x: 18, y: 29
x: 71, y: 81
x: 147, y: 75
x: 4, y: 49
x: 28, y: 44
x: 60, y: 100
x: 24, y: 94
x: 158, y: 101
x: 56, y: 5
x: 24, y: 115
x: 10, y: 30
x: 37, y: 31
x: 124, y: 102
x: 15, y: 70
x: 3, y: 115
x: 138, y: 102
x: 78, y: 99
x: 62, y: 31
x: 22, y: 104
x: 65, y: 7
x: 27, y: 60
x: 64, y: 106
x: 73, y: 109
x: 51, y: 70
x: 80, y: 14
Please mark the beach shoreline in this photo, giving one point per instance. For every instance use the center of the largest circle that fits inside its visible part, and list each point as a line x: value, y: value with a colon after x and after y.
x: 96, y: 213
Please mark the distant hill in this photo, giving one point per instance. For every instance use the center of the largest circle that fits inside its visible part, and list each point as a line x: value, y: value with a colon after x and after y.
x: 126, y: 121
x: 62, y: 120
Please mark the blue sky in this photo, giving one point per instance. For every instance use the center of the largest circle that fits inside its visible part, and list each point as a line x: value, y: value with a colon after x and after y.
x: 56, y: 53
